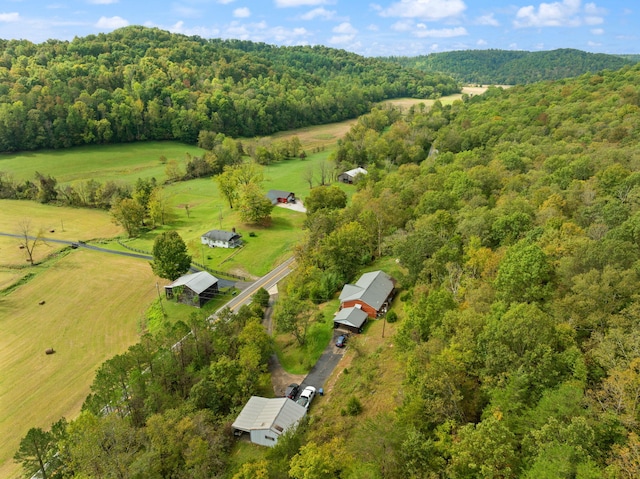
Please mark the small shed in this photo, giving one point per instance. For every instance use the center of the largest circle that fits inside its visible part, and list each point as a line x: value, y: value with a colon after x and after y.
x: 281, y: 196
x: 351, y: 175
x: 193, y: 289
x: 372, y: 293
x: 266, y: 419
x: 352, y: 319
x: 221, y: 239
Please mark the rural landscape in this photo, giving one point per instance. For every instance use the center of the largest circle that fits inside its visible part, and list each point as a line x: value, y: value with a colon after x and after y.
x: 493, y: 214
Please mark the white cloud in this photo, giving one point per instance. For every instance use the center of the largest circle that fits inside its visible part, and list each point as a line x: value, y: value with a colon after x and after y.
x: 346, y: 28
x: 425, y: 9
x: 103, y: 2
x: 559, y: 14
x: 403, y: 26
x: 9, y: 17
x: 111, y: 22
x: 243, y: 12
x: 345, y: 34
x: 424, y: 32
x: 319, y: 13
x: 301, y: 3
x: 481, y: 43
x: 187, y: 12
x: 597, y: 31
x: 373, y: 28
x: 488, y: 20
x: 225, y: 2
x: 594, y: 44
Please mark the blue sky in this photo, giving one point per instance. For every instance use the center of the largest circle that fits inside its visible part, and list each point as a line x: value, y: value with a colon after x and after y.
x: 371, y: 28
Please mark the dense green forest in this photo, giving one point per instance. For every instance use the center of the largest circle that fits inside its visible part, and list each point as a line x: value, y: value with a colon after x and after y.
x: 139, y: 83
x: 514, y: 218
x: 512, y: 67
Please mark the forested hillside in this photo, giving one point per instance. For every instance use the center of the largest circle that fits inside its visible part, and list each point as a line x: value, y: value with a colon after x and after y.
x: 511, y: 67
x: 517, y: 242
x: 139, y: 83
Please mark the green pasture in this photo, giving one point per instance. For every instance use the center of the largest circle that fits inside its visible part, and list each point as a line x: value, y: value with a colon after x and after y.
x: 93, y: 306
x: 121, y: 162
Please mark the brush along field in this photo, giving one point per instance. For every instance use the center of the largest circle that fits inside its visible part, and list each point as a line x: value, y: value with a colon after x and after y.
x: 93, y: 305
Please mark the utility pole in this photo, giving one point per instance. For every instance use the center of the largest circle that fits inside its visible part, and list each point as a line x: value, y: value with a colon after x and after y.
x: 160, y: 299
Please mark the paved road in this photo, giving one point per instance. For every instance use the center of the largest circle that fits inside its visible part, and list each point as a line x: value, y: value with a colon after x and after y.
x: 267, y: 281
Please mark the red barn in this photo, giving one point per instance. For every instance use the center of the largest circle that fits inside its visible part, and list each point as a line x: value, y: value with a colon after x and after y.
x: 372, y: 293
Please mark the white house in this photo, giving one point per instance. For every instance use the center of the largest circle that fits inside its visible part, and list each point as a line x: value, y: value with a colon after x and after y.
x: 265, y: 419
x: 221, y: 239
x: 350, y: 176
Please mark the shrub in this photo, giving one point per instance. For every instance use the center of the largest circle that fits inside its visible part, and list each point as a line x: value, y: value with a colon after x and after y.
x: 354, y: 406
x: 392, y: 317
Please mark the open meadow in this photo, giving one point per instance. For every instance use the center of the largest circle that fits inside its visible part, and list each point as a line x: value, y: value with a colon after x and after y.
x: 94, y: 303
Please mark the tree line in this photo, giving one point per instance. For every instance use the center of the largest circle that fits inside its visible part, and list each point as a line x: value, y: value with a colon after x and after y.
x: 514, y: 67
x: 139, y: 83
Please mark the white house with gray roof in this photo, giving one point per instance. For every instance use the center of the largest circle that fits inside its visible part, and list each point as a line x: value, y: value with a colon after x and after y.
x: 221, y: 239
x: 372, y: 293
x: 266, y: 419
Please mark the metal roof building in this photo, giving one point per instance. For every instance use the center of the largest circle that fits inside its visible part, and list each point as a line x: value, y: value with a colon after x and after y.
x: 372, y: 289
x: 197, y: 288
x: 265, y: 419
x: 351, y: 318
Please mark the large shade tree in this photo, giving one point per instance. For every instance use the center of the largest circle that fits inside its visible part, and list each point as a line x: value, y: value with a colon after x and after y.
x: 170, y: 257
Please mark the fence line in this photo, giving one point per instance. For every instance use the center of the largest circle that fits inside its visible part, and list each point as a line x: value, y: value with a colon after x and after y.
x: 199, y: 265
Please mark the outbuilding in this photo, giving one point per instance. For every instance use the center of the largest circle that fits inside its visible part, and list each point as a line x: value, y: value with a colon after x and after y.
x: 193, y: 289
x: 221, y: 239
x: 372, y: 293
x: 266, y: 419
x: 281, y: 196
x: 352, y: 319
x: 351, y: 175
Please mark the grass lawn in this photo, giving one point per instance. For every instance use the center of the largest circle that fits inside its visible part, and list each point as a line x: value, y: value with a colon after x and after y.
x: 299, y: 360
x: 87, y: 318
x: 124, y: 162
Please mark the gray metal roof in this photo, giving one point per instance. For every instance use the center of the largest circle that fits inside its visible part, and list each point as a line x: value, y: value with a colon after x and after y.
x: 197, y: 282
x: 372, y: 288
x: 356, y: 171
x: 268, y: 413
x: 353, y: 317
x: 221, y: 235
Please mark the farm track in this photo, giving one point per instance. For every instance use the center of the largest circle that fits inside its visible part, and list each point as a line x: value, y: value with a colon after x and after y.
x: 223, y: 283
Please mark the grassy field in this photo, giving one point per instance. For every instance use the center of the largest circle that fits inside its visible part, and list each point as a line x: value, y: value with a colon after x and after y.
x: 87, y: 318
x: 57, y: 222
x: 123, y: 162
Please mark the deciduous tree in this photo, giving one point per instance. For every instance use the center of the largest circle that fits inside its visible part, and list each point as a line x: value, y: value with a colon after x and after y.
x: 170, y: 257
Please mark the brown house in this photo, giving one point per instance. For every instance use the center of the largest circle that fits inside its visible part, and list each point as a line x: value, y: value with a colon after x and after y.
x: 372, y: 293
x: 193, y: 289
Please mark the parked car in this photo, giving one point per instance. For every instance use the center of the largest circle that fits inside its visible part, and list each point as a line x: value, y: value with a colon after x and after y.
x: 306, y: 396
x: 341, y: 341
x: 292, y: 390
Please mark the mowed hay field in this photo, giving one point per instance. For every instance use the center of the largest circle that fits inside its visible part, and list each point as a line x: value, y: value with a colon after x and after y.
x: 71, y: 224
x: 93, y: 306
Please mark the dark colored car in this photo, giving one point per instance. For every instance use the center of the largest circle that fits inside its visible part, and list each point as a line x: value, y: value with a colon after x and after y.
x: 292, y: 390
x: 341, y: 341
